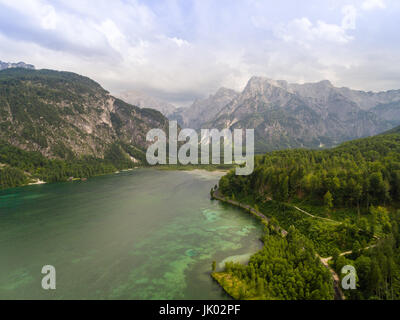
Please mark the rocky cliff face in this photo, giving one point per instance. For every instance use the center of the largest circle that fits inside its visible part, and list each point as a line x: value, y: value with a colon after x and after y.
x: 10, y: 65
x: 204, y: 111
x: 64, y: 115
x: 312, y: 115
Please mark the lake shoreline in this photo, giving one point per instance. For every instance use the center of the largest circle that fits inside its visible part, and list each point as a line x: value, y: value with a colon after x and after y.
x: 159, y: 231
x: 220, y: 276
x: 38, y: 182
x: 217, y: 171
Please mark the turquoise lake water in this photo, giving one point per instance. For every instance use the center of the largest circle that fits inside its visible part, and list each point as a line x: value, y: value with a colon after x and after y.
x: 144, y: 234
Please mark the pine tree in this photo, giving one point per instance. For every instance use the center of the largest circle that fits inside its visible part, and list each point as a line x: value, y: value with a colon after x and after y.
x: 328, y: 201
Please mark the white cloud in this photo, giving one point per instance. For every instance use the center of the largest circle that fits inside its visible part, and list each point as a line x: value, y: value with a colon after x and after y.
x: 373, y: 4
x: 179, y: 42
x: 181, y: 50
x: 113, y: 35
x: 41, y: 11
x: 304, y: 32
x: 349, y: 17
x: 49, y: 18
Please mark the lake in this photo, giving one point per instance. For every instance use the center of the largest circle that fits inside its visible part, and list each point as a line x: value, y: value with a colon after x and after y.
x: 143, y: 234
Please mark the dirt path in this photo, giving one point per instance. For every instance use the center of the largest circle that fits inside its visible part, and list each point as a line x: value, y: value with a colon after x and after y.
x: 316, y: 217
x: 336, y: 279
x: 349, y: 252
x: 325, y: 261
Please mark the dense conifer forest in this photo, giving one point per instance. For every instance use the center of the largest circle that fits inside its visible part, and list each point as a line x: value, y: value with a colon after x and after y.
x: 19, y: 167
x: 343, y: 203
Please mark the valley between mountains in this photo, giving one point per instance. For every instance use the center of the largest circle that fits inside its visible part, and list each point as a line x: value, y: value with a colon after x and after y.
x: 327, y: 171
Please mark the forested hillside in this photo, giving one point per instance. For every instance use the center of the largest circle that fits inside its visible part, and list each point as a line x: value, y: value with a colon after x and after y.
x: 286, y: 268
x: 64, y: 115
x: 55, y: 125
x: 19, y: 167
x: 344, y: 199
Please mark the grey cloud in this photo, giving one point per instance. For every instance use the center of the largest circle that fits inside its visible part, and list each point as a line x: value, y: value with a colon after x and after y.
x: 131, y: 46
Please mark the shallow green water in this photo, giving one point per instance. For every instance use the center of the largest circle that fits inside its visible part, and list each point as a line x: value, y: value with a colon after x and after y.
x: 145, y: 234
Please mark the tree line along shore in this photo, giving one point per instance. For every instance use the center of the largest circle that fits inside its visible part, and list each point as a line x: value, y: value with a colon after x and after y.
x: 331, y: 202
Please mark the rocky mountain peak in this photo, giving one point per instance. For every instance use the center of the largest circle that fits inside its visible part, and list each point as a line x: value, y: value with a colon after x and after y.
x: 323, y: 83
x: 10, y: 65
x: 264, y: 86
x: 225, y: 92
x: 311, y: 114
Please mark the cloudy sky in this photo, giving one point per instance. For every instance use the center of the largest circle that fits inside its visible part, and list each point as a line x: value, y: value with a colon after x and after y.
x: 179, y: 50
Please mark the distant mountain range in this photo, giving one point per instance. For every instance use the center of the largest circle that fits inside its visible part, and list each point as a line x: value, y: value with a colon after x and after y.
x: 288, y: 115
x: 284, y: 115
x: 143, y: 100
x: 9, y: 65
x: 204, y: 111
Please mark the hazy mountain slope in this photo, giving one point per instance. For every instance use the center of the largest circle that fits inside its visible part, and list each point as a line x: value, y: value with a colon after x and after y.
x: 388, y: 111
x: 394, y: 130
x: 369, y: 100
x: 288, y: 116
x: 144, y: 101
x: 203, y: 111
x: 64, y: 115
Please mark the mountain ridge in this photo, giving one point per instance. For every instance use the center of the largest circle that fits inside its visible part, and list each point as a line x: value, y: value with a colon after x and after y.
x: 64, y: 115
x: 12, y: 65
x: 200, y: 112
x: 290, y: 115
